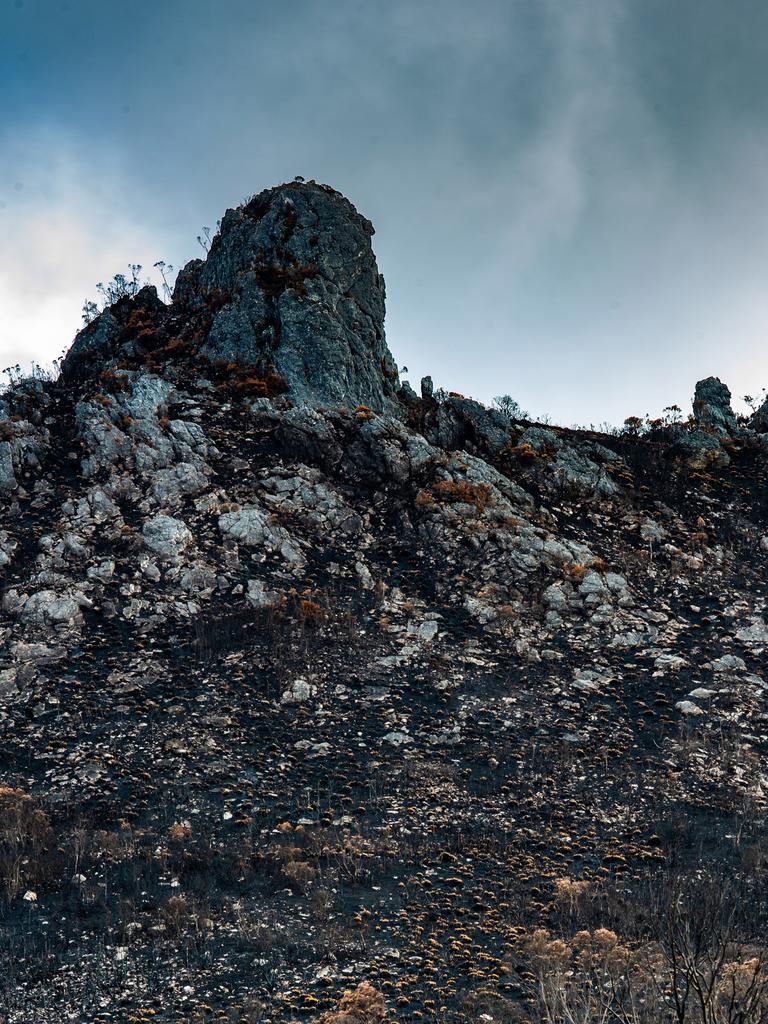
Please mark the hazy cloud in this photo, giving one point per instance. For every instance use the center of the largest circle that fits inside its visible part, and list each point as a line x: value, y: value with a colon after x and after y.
x: 570, y: 200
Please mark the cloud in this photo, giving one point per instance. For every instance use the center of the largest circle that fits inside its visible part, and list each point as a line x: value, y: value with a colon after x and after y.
x: 67, y: 227
x: 571, y: 200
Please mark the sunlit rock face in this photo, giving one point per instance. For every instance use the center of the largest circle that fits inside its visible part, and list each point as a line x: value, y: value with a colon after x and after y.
x: 290, y: 286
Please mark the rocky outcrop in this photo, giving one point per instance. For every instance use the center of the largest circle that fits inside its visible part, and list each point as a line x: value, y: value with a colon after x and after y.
x: 289, y: 287
x: 712, y: 407
x: 758, y: 421
x: 700, y: 450
x: 124, y: 330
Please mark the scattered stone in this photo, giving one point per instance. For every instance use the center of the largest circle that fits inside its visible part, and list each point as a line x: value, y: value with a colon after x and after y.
x: 166, y: 536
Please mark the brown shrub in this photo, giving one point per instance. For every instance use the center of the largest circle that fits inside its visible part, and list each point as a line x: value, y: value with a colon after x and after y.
x: 425, y: 499
x: 176, y: 345
x: 177, y: 833
x: 299, y: 874
x: 575, y: 572
x: 115, y: 381
x: 525, y: 452
x: 569, y: 892
x: 362, y: 1005
x: 461, y: 491
x: 24, y: 832
x: 311, y: 613
x: 175, y: 916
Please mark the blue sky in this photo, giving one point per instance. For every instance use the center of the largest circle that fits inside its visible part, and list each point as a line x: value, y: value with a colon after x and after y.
x: 570, y: 198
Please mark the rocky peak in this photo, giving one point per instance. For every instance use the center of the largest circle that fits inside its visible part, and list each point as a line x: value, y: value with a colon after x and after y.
x: 712, y: 407
x: 290, y: 286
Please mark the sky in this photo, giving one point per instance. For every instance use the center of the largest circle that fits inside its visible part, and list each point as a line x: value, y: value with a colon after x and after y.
x: 570, y: 196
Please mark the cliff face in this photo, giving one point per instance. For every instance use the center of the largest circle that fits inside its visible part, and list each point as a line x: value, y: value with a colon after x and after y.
x: 295, y: 692
x: 290, y: 286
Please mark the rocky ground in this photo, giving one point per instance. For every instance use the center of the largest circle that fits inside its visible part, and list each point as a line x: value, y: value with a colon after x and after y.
x: 300, y: 694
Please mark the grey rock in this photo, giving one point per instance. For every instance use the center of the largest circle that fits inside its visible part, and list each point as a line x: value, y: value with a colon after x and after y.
x: 290, y: 287
x: 652, y: 532
x: 305, y: 432
x: 106, y: 338
x: 92, y: 346
x: 8, y: 686
x: 169, y: 486
x: 729, y: 663
x: 700, y: 450
x: 465, y: 423
x: 407, y: 394
x: 540, y: 439
x: 712, y: 407
x: 36, y: 653
x: 259, y: 597
x: 669, y: 663
x: 758, y: 421
x: 166, y: 536
x: 8, y: 547
x: 555, y: 599
x: 298, y: 692
x: 300, y: 292
x: 756, y: 633
x: 148, y: 396
x: 46, y: 606
x: 7, y: 477
x: 578, y: 470
x: 104, y: 442
x: 593, y: 584
x: 397, y: 738
x: 688, y: 708
x: 251, y: 526
x: 616, y: 583
x: 304, y: 495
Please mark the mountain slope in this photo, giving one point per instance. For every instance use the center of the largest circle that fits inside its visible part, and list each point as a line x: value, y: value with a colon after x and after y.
x: 308, y: 679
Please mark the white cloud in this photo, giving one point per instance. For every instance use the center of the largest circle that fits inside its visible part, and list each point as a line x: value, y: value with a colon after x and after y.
x: 68, y: 227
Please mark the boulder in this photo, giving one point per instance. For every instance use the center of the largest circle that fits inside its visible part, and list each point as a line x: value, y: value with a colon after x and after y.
x: 166, y: 536
x: 253, y: 527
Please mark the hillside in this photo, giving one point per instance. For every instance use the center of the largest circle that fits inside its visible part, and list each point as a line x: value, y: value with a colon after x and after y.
x: 309, y: 680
